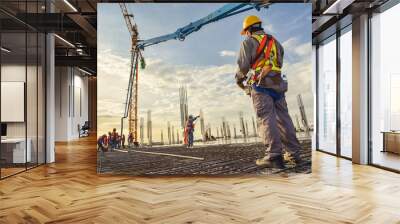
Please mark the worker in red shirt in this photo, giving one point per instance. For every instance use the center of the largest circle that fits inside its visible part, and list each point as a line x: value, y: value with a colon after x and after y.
x: 189, y: 129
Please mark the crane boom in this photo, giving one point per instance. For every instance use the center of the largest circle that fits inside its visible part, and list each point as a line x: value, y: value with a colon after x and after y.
x: 221, y: 13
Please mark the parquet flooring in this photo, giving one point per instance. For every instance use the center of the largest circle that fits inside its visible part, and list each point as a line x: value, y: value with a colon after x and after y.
x: 70, y: 191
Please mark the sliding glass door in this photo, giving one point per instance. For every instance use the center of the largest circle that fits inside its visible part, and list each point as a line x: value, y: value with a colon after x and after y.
x: 385, y: 89
x: 334, y: 94
x: 346, y: 95
x: 22, y: 77
x: 327, y: 95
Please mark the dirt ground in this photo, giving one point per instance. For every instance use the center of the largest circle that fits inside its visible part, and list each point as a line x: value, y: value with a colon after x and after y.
x: 225, y: 159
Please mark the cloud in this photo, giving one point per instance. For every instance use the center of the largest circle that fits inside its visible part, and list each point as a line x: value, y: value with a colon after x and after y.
x: 269, y: 28
x: 226, y: 53
x: 210, y: 88
x: 296, y: 50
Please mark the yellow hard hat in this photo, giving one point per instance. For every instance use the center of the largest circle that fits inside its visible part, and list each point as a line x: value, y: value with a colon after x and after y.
x: 249, y: 21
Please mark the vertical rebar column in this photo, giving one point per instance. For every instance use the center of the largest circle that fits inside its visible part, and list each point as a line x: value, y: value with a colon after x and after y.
x: 303, y: 115
x: 223, y: 128
x: 162, y: 138
x: 173, y: 135
x: 297, y: 123
x: 226, y: 129
x: 169, y: 134
x: 241, y: 123
x: 149, y: 128
x: 247, y: 130
x: 141, y: 130
x: 183, y: 104
x: 234, y: 131
x: 202, y: 128
x: 254, y: 127
x: 177, y: 136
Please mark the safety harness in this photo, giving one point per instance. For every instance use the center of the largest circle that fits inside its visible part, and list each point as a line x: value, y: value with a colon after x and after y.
x: 270, y: 59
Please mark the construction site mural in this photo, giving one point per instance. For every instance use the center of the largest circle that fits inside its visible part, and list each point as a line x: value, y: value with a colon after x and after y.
x: 204, y: 89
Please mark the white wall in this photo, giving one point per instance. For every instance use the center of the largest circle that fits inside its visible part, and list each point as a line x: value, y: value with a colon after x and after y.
x: 33, y: 127
x: 71, y: 93
x: 12, y: 73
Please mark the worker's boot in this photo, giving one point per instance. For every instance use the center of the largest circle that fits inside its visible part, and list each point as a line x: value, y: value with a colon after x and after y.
x: 298, y: 160
x: 275, y: 163
x: 291, y: 159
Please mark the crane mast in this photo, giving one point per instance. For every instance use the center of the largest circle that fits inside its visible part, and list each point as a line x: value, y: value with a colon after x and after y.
x: 131, y: 103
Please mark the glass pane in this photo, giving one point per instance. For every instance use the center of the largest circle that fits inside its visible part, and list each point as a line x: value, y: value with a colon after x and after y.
x: 314, y: 74
x: 41, y: 99
x: 386, y: 89
x: 13, y: 87
x: 346, y: 94
x: 31, y: 98
x: 327, y: 96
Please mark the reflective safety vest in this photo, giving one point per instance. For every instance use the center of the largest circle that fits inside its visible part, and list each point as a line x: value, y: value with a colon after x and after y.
x: 269, y: 48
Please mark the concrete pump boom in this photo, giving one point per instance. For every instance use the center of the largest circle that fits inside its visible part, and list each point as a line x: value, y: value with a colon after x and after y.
x: 131, y: 102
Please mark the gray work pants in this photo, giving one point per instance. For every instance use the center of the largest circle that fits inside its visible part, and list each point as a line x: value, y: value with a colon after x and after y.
x: 275, y: 125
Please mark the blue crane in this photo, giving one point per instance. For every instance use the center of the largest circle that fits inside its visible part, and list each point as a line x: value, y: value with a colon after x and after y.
x: 131, y: 106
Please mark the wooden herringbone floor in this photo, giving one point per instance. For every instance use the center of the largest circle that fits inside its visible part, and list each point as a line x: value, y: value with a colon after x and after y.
x: 70, y: 191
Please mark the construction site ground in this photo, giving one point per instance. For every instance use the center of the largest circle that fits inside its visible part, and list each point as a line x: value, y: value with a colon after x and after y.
x: 223, y: 159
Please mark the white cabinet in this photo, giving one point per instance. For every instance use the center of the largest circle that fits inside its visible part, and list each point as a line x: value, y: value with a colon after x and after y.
x: 19, y: 155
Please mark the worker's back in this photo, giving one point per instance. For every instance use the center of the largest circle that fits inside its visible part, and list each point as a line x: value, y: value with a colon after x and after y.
x: 248, y: 51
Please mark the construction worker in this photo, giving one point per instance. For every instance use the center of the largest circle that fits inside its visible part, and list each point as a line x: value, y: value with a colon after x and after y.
x: 259, y: 64
x: 102, y: 143
x: 114, y: 139
x: 189, y: 129
x: 110, y: 141
x: 123, y: 140
x: 130, y: 139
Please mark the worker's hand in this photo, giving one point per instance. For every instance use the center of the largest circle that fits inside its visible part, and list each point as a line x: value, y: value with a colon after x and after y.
x: 247, y: 90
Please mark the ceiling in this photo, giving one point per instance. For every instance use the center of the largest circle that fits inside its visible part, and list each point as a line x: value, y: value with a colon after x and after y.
x: 75, y: 23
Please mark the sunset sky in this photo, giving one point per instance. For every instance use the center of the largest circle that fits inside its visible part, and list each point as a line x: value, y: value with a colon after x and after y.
x: 205, y: 62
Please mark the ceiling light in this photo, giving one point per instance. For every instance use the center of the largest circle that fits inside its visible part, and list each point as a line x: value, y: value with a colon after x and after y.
x: 338, y: 6
x: 84, y: 71
x: 5, y: 50
x: 70, y: 5
x: 64, y: 40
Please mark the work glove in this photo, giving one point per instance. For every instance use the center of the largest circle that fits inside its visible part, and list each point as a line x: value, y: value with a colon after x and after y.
x: 247, y: 90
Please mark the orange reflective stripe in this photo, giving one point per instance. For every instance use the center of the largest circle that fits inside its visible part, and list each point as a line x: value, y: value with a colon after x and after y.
x: 262, y: 45
x: 260, y: 49
x: 268, y: 52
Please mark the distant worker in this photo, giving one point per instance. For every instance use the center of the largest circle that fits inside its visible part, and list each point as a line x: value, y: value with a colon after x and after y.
x: 130, y: 139
x: 118, y: 141
x: 110, y: 140
x: 189, y: 129
x: 114, y: 138
x: 123, y: 140
x: 259, y: 62
x: 102, y: 143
